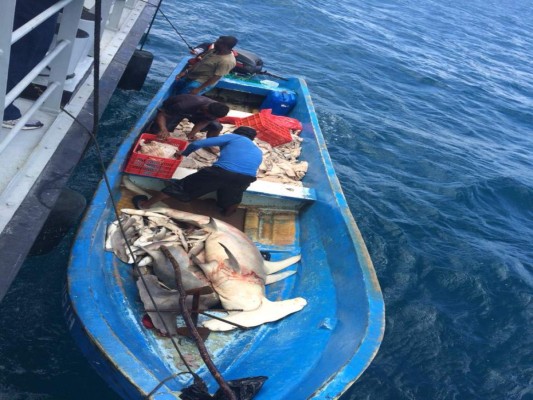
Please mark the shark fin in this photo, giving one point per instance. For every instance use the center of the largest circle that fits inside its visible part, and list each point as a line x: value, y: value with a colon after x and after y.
x: 268, y: 311
x: 211, y: 225
x: 276, y: 266
x: 278, y: 277
x: 232, y: 261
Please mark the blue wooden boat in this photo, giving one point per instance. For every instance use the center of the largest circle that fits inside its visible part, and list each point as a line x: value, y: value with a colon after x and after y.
x: 315, y: 353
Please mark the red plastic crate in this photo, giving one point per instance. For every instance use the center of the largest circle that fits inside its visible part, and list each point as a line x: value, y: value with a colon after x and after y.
x: 291, y: 123
x: 157, y: 167
x: 267, y: 128
x: 228, y: 120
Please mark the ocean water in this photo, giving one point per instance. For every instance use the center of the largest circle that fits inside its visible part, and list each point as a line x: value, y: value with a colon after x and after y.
x: 427, y: 109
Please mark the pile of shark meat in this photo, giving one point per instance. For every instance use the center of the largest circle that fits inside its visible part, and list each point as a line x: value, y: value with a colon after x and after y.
x: 210, y: 253
x: 157, y: 149
x: 280, y: 163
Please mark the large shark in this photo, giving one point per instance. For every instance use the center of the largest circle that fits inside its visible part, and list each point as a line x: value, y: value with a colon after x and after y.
x: 236, y: 270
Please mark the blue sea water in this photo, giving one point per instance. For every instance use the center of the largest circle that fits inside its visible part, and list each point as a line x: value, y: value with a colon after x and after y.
x: 427, y: 109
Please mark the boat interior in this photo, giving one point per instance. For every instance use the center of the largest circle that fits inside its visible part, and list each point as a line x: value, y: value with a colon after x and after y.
x: 283, y: 220
x: 268, y: 214
x: 268, y: 211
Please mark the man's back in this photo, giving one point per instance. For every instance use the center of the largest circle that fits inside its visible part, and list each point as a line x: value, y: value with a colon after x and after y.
x: 186, y: 103
x: 237, y: 153
x: 212, y: 64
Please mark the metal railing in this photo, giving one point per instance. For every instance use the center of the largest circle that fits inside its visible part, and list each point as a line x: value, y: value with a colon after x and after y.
x: 57, y: 59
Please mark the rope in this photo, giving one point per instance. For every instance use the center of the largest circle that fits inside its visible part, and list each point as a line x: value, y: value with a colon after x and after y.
x: 168, y: 378
x: 170, y: 23
x: 145, y: 36
x: 96, y: 72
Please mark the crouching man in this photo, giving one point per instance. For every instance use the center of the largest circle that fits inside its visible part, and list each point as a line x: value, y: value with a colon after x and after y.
x: 235, y: 169
x: 201, y: 111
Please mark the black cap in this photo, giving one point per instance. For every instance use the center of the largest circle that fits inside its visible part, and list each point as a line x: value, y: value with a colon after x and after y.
x: 247, y: 131
x: 218, y: 110
x: 230, y: 41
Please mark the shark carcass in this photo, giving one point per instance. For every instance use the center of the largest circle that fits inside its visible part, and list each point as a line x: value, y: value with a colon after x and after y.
x: 209, y: 252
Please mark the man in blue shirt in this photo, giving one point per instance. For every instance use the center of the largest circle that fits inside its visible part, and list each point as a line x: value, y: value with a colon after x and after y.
x: 235, y: 169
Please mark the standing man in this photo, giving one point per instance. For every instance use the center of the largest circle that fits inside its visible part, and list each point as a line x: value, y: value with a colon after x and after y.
x: 201, y: 111
x: 203, y: 75
x: 235, y: 169
x: 27, y: 52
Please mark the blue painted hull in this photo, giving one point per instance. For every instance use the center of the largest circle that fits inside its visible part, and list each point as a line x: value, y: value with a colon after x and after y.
x: 316, y: 353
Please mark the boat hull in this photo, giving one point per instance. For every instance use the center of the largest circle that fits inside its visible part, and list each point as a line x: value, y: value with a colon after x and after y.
x: 316, y: 353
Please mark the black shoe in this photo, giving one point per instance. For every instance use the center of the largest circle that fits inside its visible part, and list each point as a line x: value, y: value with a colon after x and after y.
x: 230, y: 210
x: 45, y: 74
x: 28, y: 126
x: 137, y: 199
x: 175, y: 189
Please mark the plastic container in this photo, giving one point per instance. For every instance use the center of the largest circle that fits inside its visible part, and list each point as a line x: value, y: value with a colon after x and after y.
x: 267, y: 128
x: 280, y: 102
x: 291, y: 123
x: 157, y: 167
x: 228, y: 120
x: 80, y: 49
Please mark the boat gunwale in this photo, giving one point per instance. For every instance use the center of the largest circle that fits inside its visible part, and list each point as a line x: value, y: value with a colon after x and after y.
x: 343, y: 379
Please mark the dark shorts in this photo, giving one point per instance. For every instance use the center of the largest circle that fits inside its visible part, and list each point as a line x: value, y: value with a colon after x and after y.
x: 229, y: 186
x: 185, y: 85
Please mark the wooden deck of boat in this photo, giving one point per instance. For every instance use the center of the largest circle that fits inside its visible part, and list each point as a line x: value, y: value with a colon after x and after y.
x: 203, y: 207
x: 270, y: 227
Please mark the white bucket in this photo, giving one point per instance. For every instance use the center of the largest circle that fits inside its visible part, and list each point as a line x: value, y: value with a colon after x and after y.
x: 80, y: 49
